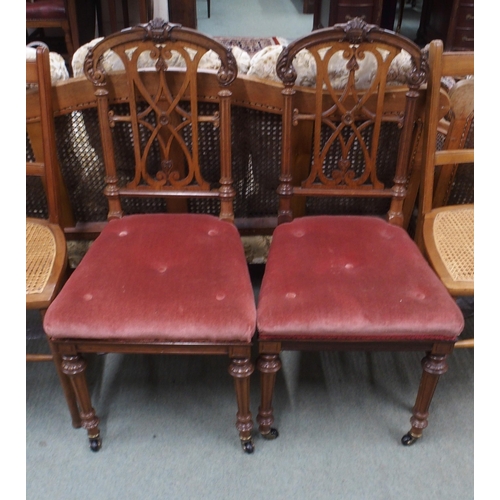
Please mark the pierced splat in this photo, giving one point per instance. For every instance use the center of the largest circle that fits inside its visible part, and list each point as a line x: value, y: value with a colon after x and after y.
x: 354, y: 111
x: 160, y: 114
x: 351, y: 124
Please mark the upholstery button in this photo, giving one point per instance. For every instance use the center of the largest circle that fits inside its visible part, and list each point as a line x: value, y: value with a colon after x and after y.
x: 348, y: 266
x: 87, y: 297
x: 213, y: 232
x: 387, y: 234
x: 123, y: 233
x: 220, y: 296
x: 162, y: 269
x: 291, y: 295
x: 299, y: 233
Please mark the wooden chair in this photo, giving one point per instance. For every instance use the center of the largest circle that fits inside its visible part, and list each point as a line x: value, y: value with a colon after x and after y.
x: 160, y: 282
x: 445, y: 231
x: 45, y: 242
x: 55, y: 14
x: 351, y: 282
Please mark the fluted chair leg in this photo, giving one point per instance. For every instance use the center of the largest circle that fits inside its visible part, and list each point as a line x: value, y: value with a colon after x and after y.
x: 74, y: 366
x: 69, y: 393
x: 241, y: 369
x: 268, y: 366
x: 434, y: 365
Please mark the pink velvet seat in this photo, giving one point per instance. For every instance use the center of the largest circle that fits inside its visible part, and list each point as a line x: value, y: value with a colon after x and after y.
x: 159, y: 277
x: 160, y: 283
x: 350, y: 280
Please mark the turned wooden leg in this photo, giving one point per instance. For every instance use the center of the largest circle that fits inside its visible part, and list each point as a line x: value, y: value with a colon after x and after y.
x: 74, y: 366
x: 69, y: 393
x: 240, y: 370
x: 268, y: 366
x: 433, y: 366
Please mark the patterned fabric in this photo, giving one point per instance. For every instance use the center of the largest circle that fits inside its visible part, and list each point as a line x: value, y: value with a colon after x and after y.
x: 58, y: 70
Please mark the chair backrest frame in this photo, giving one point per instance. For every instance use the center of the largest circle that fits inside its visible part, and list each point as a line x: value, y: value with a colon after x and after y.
x: 179, y: 175
x: 441, y: 64
x: 340, y: 110
x: 42, y: 131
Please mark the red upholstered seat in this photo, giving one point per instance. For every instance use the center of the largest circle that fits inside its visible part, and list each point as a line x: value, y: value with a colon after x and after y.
x: 46, y: 9
x: 165, y: 277
x: 349, y: 278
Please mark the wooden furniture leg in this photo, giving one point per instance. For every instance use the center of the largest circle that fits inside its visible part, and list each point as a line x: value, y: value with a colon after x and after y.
x: 69, y: 393
x: 241, y: 369
x: 433, y: 366
x: 74, y: 366
x: 268, y: 366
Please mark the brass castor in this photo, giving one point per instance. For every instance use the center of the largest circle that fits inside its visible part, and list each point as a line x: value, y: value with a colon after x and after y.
x: 409, y: 439
x: 248, y: 446
x: 95, y: 444
x: 272, y: 434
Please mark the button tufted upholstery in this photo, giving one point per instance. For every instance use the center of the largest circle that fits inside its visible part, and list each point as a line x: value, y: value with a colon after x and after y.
x: 164, y: 277
x: 350, y: 278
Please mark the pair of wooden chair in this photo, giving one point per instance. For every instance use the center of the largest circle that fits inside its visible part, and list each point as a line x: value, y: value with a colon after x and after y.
x: 178, y: 282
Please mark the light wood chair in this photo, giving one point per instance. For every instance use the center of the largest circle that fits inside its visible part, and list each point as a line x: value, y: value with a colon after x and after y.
x: 351, y: 282
x: 445, y: 231
x: 46, y: 258
x: 159, y: 283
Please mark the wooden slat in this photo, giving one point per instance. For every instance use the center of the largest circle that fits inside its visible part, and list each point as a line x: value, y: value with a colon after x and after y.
x: 458, y: 63
x: 454, y: 156
x: 35, y: 168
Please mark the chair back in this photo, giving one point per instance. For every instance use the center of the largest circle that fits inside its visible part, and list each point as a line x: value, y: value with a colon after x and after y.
x: 160, y: 117
x: 448, y: 170
x: 42, y: 158
x: 364, y: 120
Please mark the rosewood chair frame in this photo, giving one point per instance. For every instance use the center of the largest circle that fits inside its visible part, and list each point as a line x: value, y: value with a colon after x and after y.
x: 347, y: 37
x: 451, y: 259
x: 160, y: 40
x: 46, y: 254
